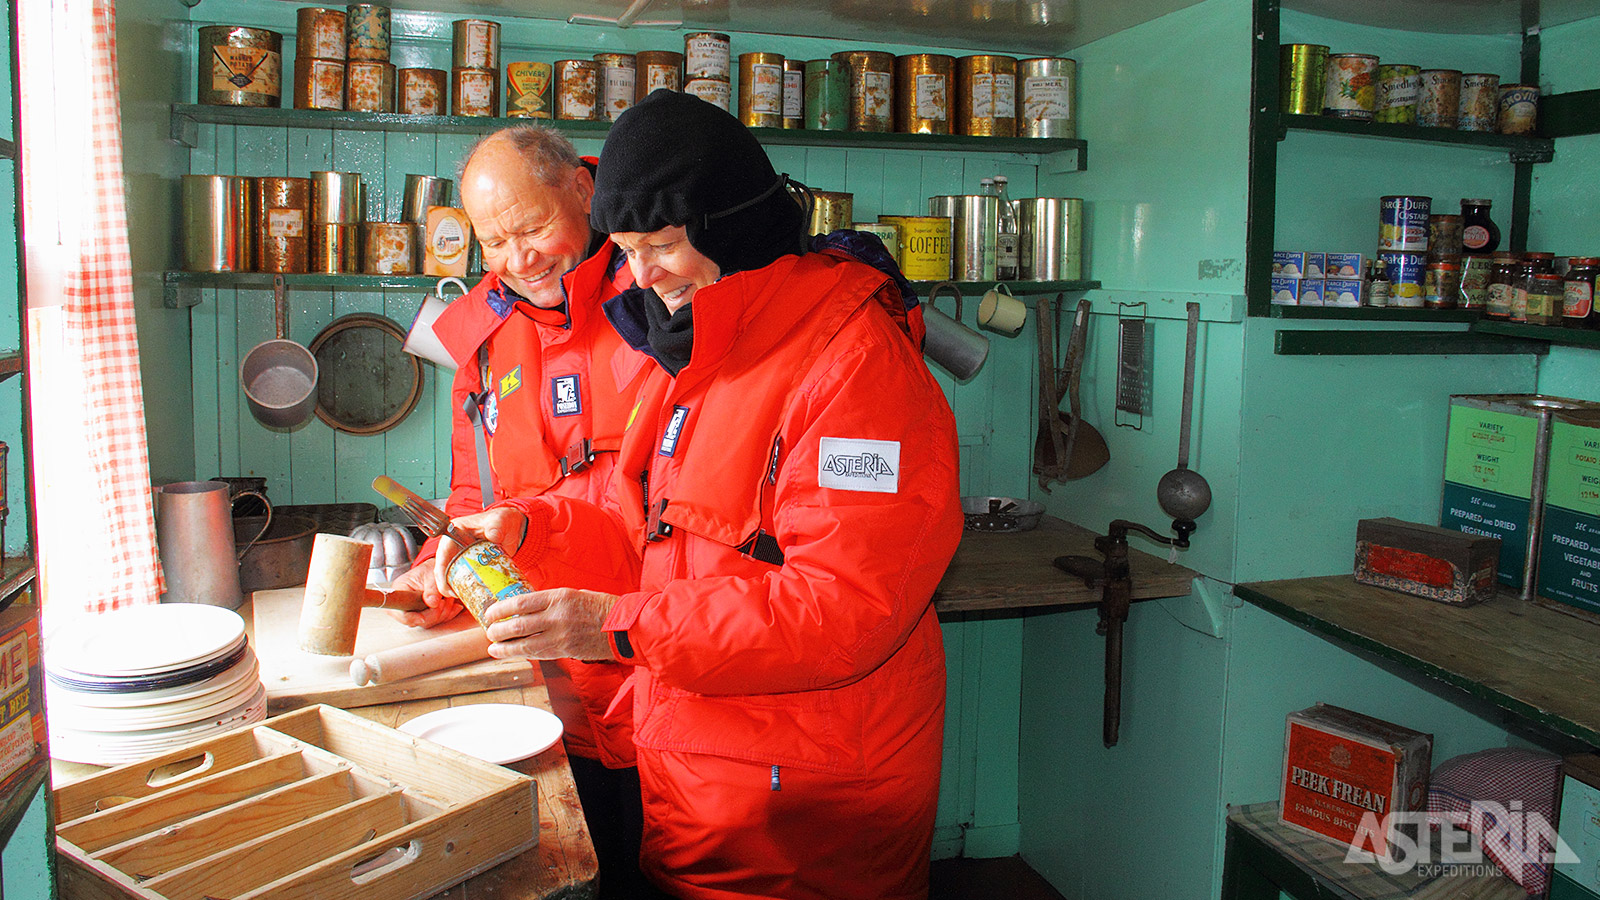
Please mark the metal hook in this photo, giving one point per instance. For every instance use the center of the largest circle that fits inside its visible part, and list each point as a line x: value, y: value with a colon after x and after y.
x: 941, y: 286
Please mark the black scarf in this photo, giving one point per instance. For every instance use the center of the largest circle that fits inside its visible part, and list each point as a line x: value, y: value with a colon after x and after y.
x: 671, y: 335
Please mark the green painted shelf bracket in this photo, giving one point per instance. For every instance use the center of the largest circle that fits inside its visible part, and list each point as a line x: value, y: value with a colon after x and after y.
x: 1401, y: 343
x: 183, y: 129
x: 1569, y: 114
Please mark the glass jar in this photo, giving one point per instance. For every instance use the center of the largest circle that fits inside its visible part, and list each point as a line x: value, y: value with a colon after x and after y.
x: 1545, y: 294
x: 1502, y: 275
x: 1542, y: 262
x: 1475, y: 272
x: 1521, y: 284
x: 1577, y: 304
x: 1441, y: 282
x: 1479, y: 234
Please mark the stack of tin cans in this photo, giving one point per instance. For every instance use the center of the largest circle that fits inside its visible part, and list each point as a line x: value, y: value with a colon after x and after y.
x: 475, y: 67
x: 342, y: 59
x: 708, y: 67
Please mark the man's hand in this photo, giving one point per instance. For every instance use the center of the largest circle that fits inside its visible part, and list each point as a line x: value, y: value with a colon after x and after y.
x: 502, y: 525
x: 561, y: 623
x: 420, y: 578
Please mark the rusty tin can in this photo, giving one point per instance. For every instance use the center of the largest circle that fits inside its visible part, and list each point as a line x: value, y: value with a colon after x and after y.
x: 319, y: 33
x: 318, y: 83
x: 217, y: 228
x: 871, y: 89
x: 483, y: 574
x: 1479, y: 109
x: 335, y: 248
x: 336, y: 197
x: 1519, y: 108
x: 1444, y: 237
x: 1302, y: 69
x: 924, y: 246
x: 887, y: 232
x: 794, y: 93
x: 369, y: 86
x: 923, y: 85
x: 283, y: 210
x: 528, y: 90
x: 1047, y: 98
x: 578, y: 90
x: 975, y: 224
x: 830, y: 211
x: 656, y: 70
x: 474, y: 44
x: 1441, y: 283
x: 706, y: 54
x: 1439, y: 99
x: 761, y: 89
x: 986, y: 95
x: 476, y: 93
x: 366, y: 31
x: 1396, y: 95
x: 618, y: 83
x: 240, y: 66
x: 827, y: 95
x: 389, y: 248
x: 717, y: 93
x: 1350, y: 90
x: 422, y: 91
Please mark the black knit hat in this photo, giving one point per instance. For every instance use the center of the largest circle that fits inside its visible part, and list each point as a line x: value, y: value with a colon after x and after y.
x: 674, y: 159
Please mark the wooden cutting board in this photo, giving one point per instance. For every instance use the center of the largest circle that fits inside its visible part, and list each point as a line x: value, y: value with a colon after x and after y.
x: 295, y: 678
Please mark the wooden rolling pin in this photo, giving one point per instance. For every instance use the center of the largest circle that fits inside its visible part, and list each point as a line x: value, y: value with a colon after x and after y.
x: 421, y: 658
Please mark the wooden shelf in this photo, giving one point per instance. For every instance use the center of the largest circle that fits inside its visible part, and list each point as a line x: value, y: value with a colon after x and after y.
x: 1374, y: 313
x: 10, y: 364
x: 1534, y: 662
x: 16, y: 573
x: 18, y: 793
x: 1555, y: 334
x: 1523, y: 148
x: 1400, y: 343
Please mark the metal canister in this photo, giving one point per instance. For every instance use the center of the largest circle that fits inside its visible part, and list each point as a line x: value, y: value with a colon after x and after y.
x: 715, y: 92
x: 577, y: 90
x: 336, y: 198
x: 1349, y: 86
x: 1302, y: 69
x: 283, y: 211
x: 1444, y: 237
x: 483, y: 574
x: 319, y: 83
x: 830, y: 211
x: 924, y: 246
x: 618, y: 83
x: 1047, y: 98
x: 529, y: 91
x: 871, y: 89
x: 923, y: 85
x: 422, y: 91
x: 1475, y: 272
x: 217, y: 231
x: 240, y: 66
x: 1439, y: 100
x: 421, y: 192
x: 1519, y: 108
x: 827, y: 95
x: 474, y: 44
x: 794, y: 93
x: 366, y: 31
x: 656, y: 70
x: 761, y: 90
x: 476, y: 92
x: 1441, y: 282
x: 887, y: 232
x: 335, y: 248
x: 1479, y: 109
x: 1398, y: 87
x: 1403, y: 223
x: 975, y: 223
x: 1405, y: 270
x: 389, y: 248
x: 986, y: 95
x: 1050, y: 239
x: 706, y: 55
x: 319, y: 33
x: 369, y: 86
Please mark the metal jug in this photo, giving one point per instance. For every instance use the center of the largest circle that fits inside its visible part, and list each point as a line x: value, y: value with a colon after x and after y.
x: 959, y: 349
x: 194, y: 535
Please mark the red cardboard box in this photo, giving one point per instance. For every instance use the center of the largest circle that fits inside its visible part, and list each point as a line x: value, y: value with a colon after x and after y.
x: 1339, y: 766
x: 22, y: 729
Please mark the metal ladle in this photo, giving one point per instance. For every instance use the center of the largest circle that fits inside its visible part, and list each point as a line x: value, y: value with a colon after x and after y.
x: 1184, y: 493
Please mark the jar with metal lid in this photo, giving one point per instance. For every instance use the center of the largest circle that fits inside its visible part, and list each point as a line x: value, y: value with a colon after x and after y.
x: 1479, y: 234
x: 1542, y: 262
x: 1577, y: 304
x: 1521, y: 285
x: 1502, y: 277
x: 1475, y: 272
x: 1545, y: 295
x: 1441, y: 282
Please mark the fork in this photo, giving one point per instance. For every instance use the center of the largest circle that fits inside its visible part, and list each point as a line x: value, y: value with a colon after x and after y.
x: 431, y: 519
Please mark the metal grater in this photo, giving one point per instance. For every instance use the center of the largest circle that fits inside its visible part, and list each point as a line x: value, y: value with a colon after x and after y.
x: 1135, y: 349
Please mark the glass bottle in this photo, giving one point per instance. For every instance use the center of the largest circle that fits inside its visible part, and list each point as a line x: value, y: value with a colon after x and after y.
x: 1497, y: 301
x: 1010, y: 234
x: 1479, y: 234
x: 1378, y: 294
x: 1577, y: 303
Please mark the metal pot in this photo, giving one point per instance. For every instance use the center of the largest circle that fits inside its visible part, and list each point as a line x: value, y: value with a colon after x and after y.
x: 280, y: 376
x: 280, y: 558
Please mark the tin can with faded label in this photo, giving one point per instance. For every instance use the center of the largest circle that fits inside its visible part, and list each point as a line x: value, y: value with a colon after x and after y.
x: 483, y: 574
x: 1047, y: 98
x: 1050, y: 239
x: 1398, y: 87
x: 794, y: 93
x: 421, y: 192
x: 1439, y: 100
x: 216, y: 223
x: 656, y: 70
x: 476, y: 93
x: 366, y: 31
x: 577, y: 90
x: 388, y: 248
x: 447, y: 243
x: 529, y: 90
x: 761, y: 90
x: 827, y: 95
x: 422, y: 91
x: 319, y: 33
x: 1475, y: 281
x: 1302, y: 69
x: 617, y: 80
x: 1444, y: 237
x: 871, y: 89
x: 1441, y: 283
x: 830, y: 211
x: 1519, y: 108
x: 1403, y: 223
x: 887, y: 232
x: 924, y: 246
x: 706, y: 55
x: 474, y: 44
x: 1405, y: 270
x: 336, y: 248
x: 1479, y: 109
x: 336, y: 197
x: 717, y: 93
x: 1351, y: 89
x: 986, y: 95
x: 318, y: 83
x: 283, y: 215
x: 975, y: 224
x: 240, y: 66
x: 923, y: 85
x: 369, y: 86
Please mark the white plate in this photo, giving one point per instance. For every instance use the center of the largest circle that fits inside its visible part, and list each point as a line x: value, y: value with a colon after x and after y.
x: 147, y: 639
x: 496, y: 733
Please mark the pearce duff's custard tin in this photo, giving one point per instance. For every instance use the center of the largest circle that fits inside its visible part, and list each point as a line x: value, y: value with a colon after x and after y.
x: 476, y: 92
x: 1302, y: 70
x: 617, y: 79
x: 1403, y: 223
x: 1350, y: 90
x: 1479, y: 109
x: 422, y: 91
x: 529, y: 90
x: 986, y: 95
x: 319, y: 83
x: 319, y: 33
x: 578, y: 90
x: 1406, y: 271
x: 474, y: 44
x: 871, y: 89
x: 1047, y: 91
x: 1439, y: 100
x: 366, y: 31
x: 656, y: 70
x: 706, y: 54
x: 240, y: 66
x: 761, y: 90
x: 1398, y: 86
x: 924, y: 83
x: 369, y: 86
x: 794, y: 93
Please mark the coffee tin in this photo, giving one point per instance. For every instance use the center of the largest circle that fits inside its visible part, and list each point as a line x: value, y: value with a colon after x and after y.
x: 388, y: 248
x: 240, y: 66
x: 476, y: 92
x: 335, y: 248
x: 1439, y: 101
x: 794, y: 93
x: 1406, y: 271
x: 923, y: 85
x: 986, y: 95
x: 319, y: 83
x: 657, y: 70
x: 474, y: 44
x: 1302, y: 70
x: 1350, y: 86
x: 975, y: 220
x: 483, y: 574
x: 578, y: 90
x: 713, y: 91
x: 1050, y: 239
x: 1519, y: 108
x: 1403, y: 223
x: 1047, y: 92
x: 369, y: 86
x: 761, y: 90
x: 422, y: 91
x: 1480, y: 102
x: 367, y: 31
x: 827, y: 95
x: 830, y: 211
x: 319, y: 33
x: 529, y: 91
x: 871, y: 89
x: 924, y: 246
x: 218, y: 234
x: 1398, y: 87
x: 283, y: 209
x: 336, y: 197
x: 618, y: 83
x: 706, y: 55
x: 887, y: 232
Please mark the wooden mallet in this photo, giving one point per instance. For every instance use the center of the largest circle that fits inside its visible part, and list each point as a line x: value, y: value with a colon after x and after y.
x: 336, y: 592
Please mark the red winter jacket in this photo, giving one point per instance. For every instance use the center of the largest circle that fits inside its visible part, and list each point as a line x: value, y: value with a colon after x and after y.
x: 794, y: 491
x: 560, y: 378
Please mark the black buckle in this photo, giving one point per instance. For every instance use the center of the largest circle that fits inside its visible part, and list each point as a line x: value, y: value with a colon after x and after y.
x: 654, y: 528
x: 579, y: 457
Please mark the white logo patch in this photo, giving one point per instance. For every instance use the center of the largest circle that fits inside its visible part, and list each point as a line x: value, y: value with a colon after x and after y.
x: 857, y: 464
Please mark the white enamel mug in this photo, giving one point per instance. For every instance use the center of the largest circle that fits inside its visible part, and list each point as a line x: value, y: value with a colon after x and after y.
x: 1000, y: 312
x: 420, y: 340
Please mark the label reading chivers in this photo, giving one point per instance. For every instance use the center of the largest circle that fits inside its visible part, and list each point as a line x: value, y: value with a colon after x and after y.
x: 858, y: 464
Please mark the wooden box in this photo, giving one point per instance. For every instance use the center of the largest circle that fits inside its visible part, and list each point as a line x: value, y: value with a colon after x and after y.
x: 318, y: 804
x: 1340, y: 766
x: 1569, y: 540
x: 1438, y: 563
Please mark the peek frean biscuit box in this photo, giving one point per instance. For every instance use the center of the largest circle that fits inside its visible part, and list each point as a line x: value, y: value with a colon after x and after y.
x: 1340, y: 766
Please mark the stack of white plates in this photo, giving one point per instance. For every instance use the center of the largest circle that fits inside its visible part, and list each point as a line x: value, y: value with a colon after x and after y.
x: 144, y: 680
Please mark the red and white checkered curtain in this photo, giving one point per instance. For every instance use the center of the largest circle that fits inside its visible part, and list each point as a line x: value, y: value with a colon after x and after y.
x: 97, y: 540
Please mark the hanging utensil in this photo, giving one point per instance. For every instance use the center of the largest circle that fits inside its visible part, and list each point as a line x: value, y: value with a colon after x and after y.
x: 1067, y: 447
x: 279, y: 376
x: 1183, y: 493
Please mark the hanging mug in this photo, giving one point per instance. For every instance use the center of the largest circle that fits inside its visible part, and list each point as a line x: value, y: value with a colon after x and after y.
x: 959, y: 349
x: 1000, y: 312
x: 420, y: 340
